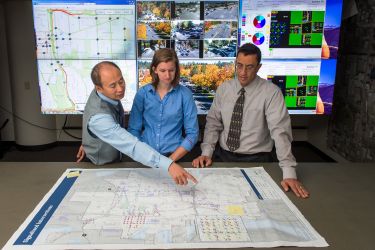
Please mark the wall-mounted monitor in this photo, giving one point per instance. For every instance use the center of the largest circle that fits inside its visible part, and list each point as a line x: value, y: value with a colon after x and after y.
x: 298, y: 40
x: 204, y: 35
x: 299, y: 43
x: 71, y: 37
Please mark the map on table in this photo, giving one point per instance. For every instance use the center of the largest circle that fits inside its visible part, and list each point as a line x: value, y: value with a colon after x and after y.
x: 144, y: 209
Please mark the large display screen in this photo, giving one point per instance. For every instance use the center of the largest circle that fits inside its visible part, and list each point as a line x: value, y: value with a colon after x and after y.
x: 299, y: 43
x: 204, y: 35
x: 298, y: 40
x: 73, y: 36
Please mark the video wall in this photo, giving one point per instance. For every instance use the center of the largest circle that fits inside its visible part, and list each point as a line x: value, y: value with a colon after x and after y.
x: 73, y: 35
x: 299, y: 43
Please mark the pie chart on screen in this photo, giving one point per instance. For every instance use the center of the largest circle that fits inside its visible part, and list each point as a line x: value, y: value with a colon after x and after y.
x: 259, y: 22
x: 258, y: 38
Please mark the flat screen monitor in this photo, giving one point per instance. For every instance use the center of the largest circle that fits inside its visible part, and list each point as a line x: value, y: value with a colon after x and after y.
x: 299, y: 43
x: 298, y: 40
x: 204, y: 35
x: 73, y: 36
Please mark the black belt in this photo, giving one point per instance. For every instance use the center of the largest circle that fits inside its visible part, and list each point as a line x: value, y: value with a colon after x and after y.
x: 245, y: 155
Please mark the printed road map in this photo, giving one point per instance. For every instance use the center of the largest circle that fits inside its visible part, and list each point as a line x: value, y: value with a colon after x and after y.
x: 144, y: 209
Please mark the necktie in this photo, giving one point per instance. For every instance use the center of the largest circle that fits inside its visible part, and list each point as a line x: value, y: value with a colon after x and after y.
x: 233, y: 140
x: 121, y: 114
x: 120, y: 111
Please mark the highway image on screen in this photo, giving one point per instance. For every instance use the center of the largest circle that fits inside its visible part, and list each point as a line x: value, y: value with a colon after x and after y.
x: 195, y: 29
x: 224, y: 10
x: 187, y: 10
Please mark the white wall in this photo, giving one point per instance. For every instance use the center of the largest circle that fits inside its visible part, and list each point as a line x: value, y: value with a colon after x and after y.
x: 72, y: 121
x: 7, y: 134
x: 31, y: 128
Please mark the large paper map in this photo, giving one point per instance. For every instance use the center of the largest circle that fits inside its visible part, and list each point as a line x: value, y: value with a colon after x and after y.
x: 145, y: 209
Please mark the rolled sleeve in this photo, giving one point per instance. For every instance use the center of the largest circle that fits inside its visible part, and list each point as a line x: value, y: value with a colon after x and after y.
x: 186, y: 144
x: 136, y: 115
x: 190, y: 122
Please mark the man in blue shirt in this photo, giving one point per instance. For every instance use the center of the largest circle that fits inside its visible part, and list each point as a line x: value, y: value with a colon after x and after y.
x: 103, y: 136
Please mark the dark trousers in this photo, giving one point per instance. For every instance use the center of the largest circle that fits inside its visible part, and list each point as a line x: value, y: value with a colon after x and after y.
x: 227, y: 156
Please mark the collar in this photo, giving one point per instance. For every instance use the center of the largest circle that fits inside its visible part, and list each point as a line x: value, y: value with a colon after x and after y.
x: 107, y: 99
x: 248, y: 88
x: 152, y: 89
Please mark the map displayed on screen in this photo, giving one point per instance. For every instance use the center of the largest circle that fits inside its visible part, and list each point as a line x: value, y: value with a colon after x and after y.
x: 84, y: 31
x: 65, y: 85
x: 71, y: 37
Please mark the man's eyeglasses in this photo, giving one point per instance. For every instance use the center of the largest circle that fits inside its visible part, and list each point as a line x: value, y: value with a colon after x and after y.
x: 247, y: 68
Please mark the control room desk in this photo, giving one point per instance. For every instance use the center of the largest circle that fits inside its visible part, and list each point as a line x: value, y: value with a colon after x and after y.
x: 341, y: 207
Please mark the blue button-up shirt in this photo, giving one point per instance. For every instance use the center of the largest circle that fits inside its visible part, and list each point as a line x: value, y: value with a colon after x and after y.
x: 110, y: 131
x: 160, y: 123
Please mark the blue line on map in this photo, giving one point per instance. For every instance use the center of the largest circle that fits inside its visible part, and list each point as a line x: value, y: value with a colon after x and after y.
x: 33, y: 229
x: 252, y: 185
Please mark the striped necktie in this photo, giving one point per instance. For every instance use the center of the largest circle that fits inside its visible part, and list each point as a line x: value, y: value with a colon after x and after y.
x: 233, y: 140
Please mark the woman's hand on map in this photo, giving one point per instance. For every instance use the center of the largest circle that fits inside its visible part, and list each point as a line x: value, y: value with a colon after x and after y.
x: 180, y: 175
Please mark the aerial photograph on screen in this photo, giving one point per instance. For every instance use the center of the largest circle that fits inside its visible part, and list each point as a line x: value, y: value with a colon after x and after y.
x: 147, y: 48
x: 158, y: 10
x: 220, y: 48
x: 150, y: 30
x: 187, y: 48
x: 224, y: 10
x: 204, y: 36
x: 220, y: 29
x: 187, y: 10
x: 183, y: 30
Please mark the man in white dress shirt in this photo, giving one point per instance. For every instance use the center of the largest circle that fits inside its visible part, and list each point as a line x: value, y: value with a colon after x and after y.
x: 265, y: 122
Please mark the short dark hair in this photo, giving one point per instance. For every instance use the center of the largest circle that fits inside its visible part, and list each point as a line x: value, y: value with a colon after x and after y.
x: 95, y: 72
x: 250, y: 49
x: 164, y: 55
